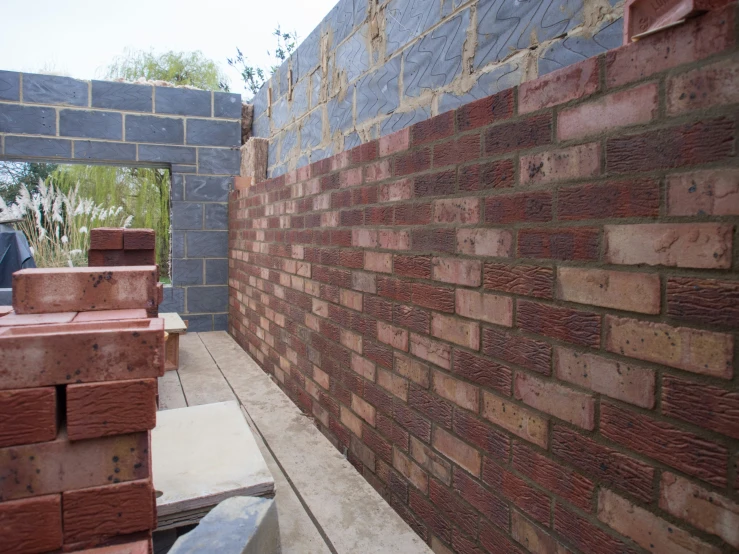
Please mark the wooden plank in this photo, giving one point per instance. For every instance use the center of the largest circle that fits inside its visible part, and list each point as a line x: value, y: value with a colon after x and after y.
x: 170, y: 392
x: 173, y: 322
x: 202, y: 381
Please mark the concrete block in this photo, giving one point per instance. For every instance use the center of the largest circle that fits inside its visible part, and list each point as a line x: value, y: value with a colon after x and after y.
x: 501, y: 78
x: 436, y: 60
x: 279, y: 80
x: 216, y: 272
x: 122, y: 96
x: 91, y: 124
x: 321, y: 153
x: 307, y: 56
x: 238, y: 525
x: 199, y: 323
x: 207, y: 299
x: 576, y: 48
x: 178, y: 244
x: 28, y: 120
x: 182, y: 101
x: 10, y: 86
x: 340, y: 112
x: 51, y: 89
x: 148, y: 128
x: 303, y: 160
x: 260, y: 127
x: 207, y: 244
x: 448, y: 6
x: 211, y: 189
x: 399, y: 121
x: 216, y: 216
x: 174, y: 300
x: 344, y: 18
x: 378, y: 92
x: 168, y: 154
x: 219, y: 161
x: 273, y: 150
x: 184, y: 168
x: 351, y: 56
x: 187, y: 272
x: 277, y: 171
x: 38, y: 147
x: 204, y: 132
x: 227, y: 105
x: 288, y: 144
x: 315, y: 85
x: 352, y: 140
x: 260, y: 101
x: 299, y: 104
x: 187, y: 215
x: 177, y: 187
x: 280, y: 113
x: 104, y: 151
x: 408, y: 19
x: 220, y: 322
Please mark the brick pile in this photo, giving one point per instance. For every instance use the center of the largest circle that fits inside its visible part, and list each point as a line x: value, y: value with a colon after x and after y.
x: 79, y: 361
x: 519, y: 318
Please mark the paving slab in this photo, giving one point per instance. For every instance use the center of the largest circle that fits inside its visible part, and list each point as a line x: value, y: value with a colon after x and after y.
x: 202, y: 382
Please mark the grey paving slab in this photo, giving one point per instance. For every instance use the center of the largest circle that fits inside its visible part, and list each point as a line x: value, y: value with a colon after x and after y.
x: 33, y: 147
x: 187, y: 215
x: 206, y: 132
x: 207, y: 244
x: 149, y: 128
x: 227, y: 105
x: 182, y: 101
x: 202, y: 381
x: 10, y: 85
x: 52, y: 89
x: 408, y: 19
x: 219, y: 161
x: 216, y: 216
x: 170, y: 392
x: 211, y: 189
x: 91, y: 124
x: 187, y: 272
x: 378, y: 92
x: 122, y: 96
x: 216, y: 272
x: 29, y: 120
x: 102, y: 151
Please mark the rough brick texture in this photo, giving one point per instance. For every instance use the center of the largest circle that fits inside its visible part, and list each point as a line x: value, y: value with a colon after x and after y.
x: 539, y: 354
x: 31, y: 525
x: 27, y: 416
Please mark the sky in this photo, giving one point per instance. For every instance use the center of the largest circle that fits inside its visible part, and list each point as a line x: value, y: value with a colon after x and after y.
x: 79, y: 38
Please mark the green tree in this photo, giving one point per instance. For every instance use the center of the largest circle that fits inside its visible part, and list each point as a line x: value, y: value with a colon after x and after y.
x: 178, y: 68
x: 254, y: 77
x: 13, y: 175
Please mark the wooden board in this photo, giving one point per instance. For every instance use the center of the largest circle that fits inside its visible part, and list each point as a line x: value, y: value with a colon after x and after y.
x: 173, y: 323
x: 201, y: 456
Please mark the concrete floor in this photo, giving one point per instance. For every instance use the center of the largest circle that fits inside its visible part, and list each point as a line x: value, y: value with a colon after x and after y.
x: 324, y: 505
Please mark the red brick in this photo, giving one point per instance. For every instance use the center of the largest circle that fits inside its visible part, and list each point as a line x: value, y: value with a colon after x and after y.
x: 455, y: 330
x: 705, y: 87
x: 457, y: 451
x: 411, y: 471
x: 702, y: 405
x: 485, y: 242
x: 457, y: 150
x: 139, y: 257
x: 31, y: 525
x: 693, y: 350
x: 109, y: 315
x: 485, y: 307
x: 350, y: 177
x: 708, y: 192
x: 496, y: 541
x: 433, y: 296
x: 393, y: 240
x: 451, y: 506
x: 529, y: 206
x: 535, y: 539
x: 586, y: 536
x: 707, y: 301
x: 411, y: 317
x: 553, y: 476
x: 431, y: 406
x: 366, y: 152
x: 482, y: 371
x: 395, y: 289
x: 635, y: 292
x: 412, y: 266
x: 377, y: 261
x: 517, y: 349
x: 697, y: 39
x: 139, y: 239
x: 526, y: 133
x: 434, y: 240
x: 635, y: 106
x: 377, y: 171
x: 396, y: 142
x: 566, y: 164
x: 562, y: 402
x: 429, y: 515
x: 106, y: 258
x: 352, y: 422
x: 94, y: 514
x: 515, y: 419
x: 462, y: 394
x: 394, y: 336
x: 462, y: 211
x: 392, y: 383
x: 485, y: 111
x: 414, y: 423
x: 633, y: 198
x: 604, y: 463
x: 111, y: 408
x: 413, y: 162
x: 492, y: 175
x: 364, y: 195
x: 488, y: 504
x: 413, y: 370
x: 378, y: 216
x: 106, y: 238
x: 527, y: 280
x: 561, y: 86
x: 396, y: 191
x: 27, y: 416
x: 573, y: 243
x: 456, y: 271
x: 435, y: 184
x: 661, y: 441
x: 565, y: 324
x: 432, y: 129
x: 78, y: 289
x: 705, y: 141
x: 531, y: 500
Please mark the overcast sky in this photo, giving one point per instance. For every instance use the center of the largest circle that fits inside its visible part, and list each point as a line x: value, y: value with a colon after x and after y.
x: 79, y: 38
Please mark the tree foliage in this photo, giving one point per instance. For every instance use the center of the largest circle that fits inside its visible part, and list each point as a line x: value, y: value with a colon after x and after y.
x: 14, y: 175
x: 178, y: 68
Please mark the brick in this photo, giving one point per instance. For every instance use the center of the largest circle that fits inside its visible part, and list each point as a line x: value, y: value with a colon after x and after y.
x: 350, y: 177
x: 489, y: 505
x: 485, y: 307
x: 703, y: 405
x: 708, y: 86
x: 395, y: 142
x: 451, y: 506
x: 395, y: 289
x: 435, y: 184
x: 708, y: 192
x: 428, y: 514
x: 518, y: 135
x: 704, y: 509
x: 364, y: 238
x: 363, y: 453
x: 497, y: 243
x: 456, y: 271
x: 482, y: 371
x: 535, y: 539
x: 569, y: 83
x: 698, y: 39
x: 565, y: 324
x: 351, y: 340
x: 139, y: 257
x: 497, y: 542
x: 139, y: 239
x: 456, y: 331
x: 106, y: 238
x: 94, y: 514
x: 531, y: 500
x: 78, y: 289
x: 27, y: 416
x: 411, y: 214
x: 364, y: 282
x: 527, y: 280
x: 708, y: 140
x: 566, y: 164
x: 517, y: 349
x: 634, y: 292
x: 351, y: 299
x: 412, y: 317
x: 633, y: 198
x: 411, y: 471
x: 432, y: 129
x: 553, y: 476
x: 485, y: 111
x: 396, y: 191
x: 632, y: 384
x: 82, y: 352
x: 15, y: 320
x: 109, y: 315
x: 353, y: 423
x: 413, y: 370
x: 574, y: 243
x: 60, y: 465
x: 693, y: 350
x: 430, y: 406
x: 413, y: 162
x: 491, y: 175
x: 363, y: 409
x: 378, y: 261
x: 646, y: 529
x: 461, y: 393
x: 666, y: 443
x: 481, y: 434
x: 394, y: 336
x: 392, y: 383
x: 462, y: 211
x: 431, y: 461
x: 561, y: 402
x: 634, y: 106
x: 533, y: 206
x: 707, y: 301
x: 586, y: 536
x: 394, y: 240
x: 31, y: 525
x: 412, y: 266
x: 111, y: 408
x: 604, y: 463
x: 457, y: 150
x: 363, y: 367
x: 517, y: 420
x: 695, y: 245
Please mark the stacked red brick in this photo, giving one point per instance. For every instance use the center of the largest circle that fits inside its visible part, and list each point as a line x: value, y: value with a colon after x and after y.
x: 519, y: 318
x: 78, y: 366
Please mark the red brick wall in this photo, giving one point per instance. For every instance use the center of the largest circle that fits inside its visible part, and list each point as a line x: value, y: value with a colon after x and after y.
x: 518, y: 319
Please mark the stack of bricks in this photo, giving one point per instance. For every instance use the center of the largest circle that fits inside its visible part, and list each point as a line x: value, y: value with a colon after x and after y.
x: 79, y: 362
x: 117, y: 247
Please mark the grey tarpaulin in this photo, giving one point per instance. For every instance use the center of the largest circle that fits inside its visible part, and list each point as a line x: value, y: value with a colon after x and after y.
x: 15, y: 254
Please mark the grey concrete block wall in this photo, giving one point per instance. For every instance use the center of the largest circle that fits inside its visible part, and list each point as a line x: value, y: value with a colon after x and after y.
x: 373, y: 67
x: 196, y: 134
